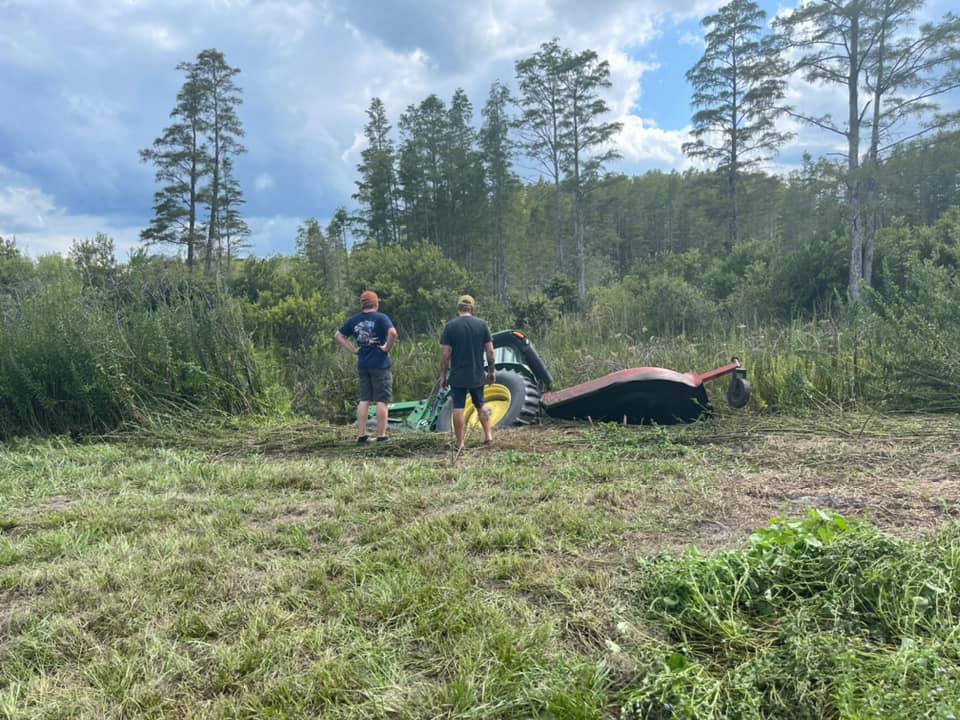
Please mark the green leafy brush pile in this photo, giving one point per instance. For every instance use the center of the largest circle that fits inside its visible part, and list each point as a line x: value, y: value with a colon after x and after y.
x: 820, y: 618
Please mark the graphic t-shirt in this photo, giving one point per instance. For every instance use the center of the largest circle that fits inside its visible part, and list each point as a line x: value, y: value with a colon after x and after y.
x: 466, y: 336
x: 370, y: 331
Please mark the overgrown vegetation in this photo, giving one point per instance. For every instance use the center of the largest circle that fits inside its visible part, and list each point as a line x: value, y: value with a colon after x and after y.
x: 89, y: 344
x: 89, y: 347
x: 817, y: 618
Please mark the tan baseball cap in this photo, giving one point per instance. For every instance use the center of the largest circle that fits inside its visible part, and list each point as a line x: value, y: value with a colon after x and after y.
x: 467, y: 300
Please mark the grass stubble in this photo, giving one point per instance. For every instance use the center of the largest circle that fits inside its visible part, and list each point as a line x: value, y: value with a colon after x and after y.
x: 274, y: 570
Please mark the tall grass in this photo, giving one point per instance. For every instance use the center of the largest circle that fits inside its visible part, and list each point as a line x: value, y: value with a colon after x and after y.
x: 901, y: 359
x: 888, y: 361
x: 77, y: 359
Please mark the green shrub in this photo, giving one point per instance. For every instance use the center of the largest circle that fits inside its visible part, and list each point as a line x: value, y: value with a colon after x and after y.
x: 535, y: 313
x: 671, y: 305
x: 418, y: 285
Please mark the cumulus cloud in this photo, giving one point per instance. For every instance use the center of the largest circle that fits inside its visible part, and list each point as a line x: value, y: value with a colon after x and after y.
x: 24, y: 208
x: 642, y: 143
x: 86, y: 83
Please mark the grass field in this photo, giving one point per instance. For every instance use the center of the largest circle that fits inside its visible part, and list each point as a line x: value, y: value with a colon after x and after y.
x: 275, y: 570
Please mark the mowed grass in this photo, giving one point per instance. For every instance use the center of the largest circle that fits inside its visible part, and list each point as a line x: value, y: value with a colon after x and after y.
x: 277, y: 570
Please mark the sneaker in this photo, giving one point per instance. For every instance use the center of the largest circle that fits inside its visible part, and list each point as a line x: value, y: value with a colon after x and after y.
x: 385, y: 438
x: 362, y: 439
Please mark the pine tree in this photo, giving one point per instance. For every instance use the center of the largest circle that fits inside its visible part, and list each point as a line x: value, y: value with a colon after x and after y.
x: 543, y: 105
x: 181, y: 161
x: 462, y: 169
x: 423, y: 128
x: 311, y: 249
x: 833, y: 40
x: 497, y: 151
x: 586, y: 140
x: 221, y: 96
x: 233, y: 231
x: 737, y: 85
x: 377, y: 186
x: 324, y: 255
x: 336, y: 234
x: 905, y: 75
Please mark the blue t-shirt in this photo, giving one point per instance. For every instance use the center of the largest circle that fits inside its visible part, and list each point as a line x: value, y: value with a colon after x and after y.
x: 370, y: 330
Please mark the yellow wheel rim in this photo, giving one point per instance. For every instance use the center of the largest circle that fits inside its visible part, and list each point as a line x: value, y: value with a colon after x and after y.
x: 496, y: 401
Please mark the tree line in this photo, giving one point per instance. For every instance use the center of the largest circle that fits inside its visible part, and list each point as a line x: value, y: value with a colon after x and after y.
x: 444, y: 177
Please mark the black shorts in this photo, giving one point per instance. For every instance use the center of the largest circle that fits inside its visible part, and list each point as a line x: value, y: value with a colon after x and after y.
x: 376, y: 384
x: 460, y: 397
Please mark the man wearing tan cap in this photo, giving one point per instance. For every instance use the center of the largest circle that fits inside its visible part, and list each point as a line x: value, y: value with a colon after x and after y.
x: 464, y: 341
x: 375, y: 337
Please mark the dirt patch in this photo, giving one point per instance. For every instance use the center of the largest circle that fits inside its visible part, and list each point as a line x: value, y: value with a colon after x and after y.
x: 905, y: 486
x: 55, y: 503
x: 305, y: 510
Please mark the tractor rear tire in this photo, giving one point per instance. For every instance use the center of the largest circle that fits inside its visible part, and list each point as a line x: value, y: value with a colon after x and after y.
x: 524, y: 402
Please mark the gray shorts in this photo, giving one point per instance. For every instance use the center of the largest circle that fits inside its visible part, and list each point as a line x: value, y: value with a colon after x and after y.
x: 376, y: 384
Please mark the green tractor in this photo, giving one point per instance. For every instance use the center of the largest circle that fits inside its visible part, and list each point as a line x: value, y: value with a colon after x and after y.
x: 514, y: 399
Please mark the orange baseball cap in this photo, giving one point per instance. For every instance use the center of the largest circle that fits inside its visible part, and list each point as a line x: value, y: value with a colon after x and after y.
x: 369, y: 296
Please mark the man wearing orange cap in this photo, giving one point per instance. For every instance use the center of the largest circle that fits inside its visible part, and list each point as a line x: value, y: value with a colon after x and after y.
x: 375, y: 337
x: 464, y: 341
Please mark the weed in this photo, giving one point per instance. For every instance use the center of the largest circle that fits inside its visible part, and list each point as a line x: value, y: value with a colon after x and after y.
x: 816, y: 618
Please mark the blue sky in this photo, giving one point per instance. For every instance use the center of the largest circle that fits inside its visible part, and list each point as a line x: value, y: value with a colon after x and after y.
x: 85, y: 83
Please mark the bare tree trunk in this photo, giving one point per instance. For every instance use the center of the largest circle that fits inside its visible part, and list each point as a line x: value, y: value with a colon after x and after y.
x: 558, y: 222
x: 873, y: 159
x: 500, y: 255
x: 732, y: 229
x: 734, y: 160
x: 192, y: 222
x: 580, y: 232
x: 214, y: 225
x: 853, y: 163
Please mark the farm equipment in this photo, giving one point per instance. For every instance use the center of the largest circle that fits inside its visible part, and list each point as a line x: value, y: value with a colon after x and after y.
x: 514, y: 399
x: 522, y: 391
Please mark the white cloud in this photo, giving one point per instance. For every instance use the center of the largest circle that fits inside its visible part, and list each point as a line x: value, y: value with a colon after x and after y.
x: 266, y: 231
x: 641, y: 141
x: 61, y: 230
x: 24, y: 207
x: 310, y: 68
x: 42, y: 227
x: 264, y: 181
x: 156, y: 36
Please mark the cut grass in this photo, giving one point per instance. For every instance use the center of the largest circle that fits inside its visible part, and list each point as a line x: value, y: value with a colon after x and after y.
x: 276, y: 570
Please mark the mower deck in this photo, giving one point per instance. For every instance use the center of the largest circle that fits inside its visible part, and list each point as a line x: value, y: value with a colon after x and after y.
x: 637, y: 396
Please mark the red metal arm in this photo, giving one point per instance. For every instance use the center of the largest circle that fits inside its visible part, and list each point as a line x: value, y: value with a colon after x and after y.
x: 721, y: 371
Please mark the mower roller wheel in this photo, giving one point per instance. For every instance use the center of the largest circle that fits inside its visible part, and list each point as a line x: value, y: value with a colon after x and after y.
x: 738, y: 394
x: 513, y: 399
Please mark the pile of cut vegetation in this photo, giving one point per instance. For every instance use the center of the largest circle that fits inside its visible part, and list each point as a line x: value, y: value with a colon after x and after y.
x: 819, y: 618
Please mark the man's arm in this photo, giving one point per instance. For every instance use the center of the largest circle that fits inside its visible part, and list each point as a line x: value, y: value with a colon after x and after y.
x: 491, y: 359
x: 445, y: 351
x: 391, y: 340
x: 344, y: 343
